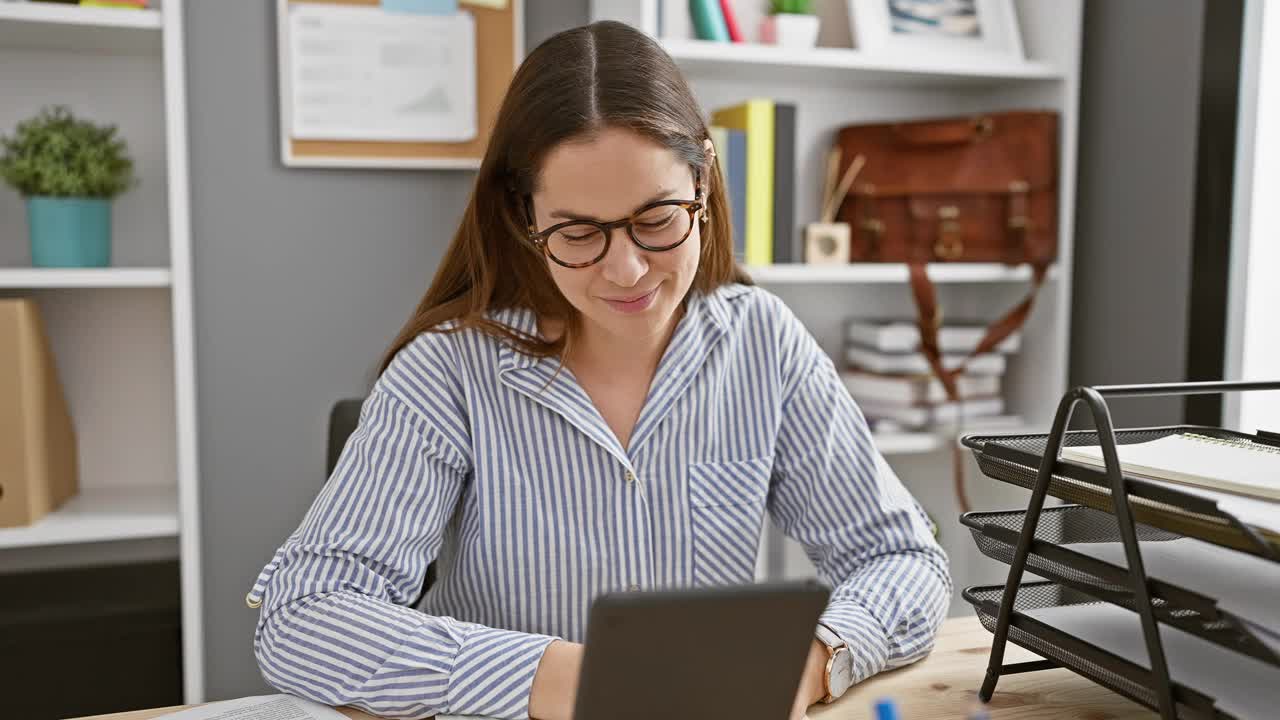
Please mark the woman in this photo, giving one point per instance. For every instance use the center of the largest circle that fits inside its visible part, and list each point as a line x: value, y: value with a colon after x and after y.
x: 589, y: 398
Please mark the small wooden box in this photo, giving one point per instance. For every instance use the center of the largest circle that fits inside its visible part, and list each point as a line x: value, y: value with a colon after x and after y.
x: 39, y: 463
x: 826, y: 243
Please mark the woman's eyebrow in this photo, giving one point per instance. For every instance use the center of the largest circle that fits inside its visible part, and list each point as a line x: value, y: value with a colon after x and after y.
x: 569, y: 215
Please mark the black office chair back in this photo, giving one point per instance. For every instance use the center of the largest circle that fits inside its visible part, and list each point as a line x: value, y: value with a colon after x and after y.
x: 342, y: 422
x: 343, y: 419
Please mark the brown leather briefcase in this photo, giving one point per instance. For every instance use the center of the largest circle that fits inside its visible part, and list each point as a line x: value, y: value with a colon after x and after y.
x: 970, y: 189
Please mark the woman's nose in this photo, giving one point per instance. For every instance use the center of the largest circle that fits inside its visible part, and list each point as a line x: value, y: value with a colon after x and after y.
x: 625, y: 262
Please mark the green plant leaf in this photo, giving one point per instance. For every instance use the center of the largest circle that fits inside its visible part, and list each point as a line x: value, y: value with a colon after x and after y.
x: 791, y: 7
x: 59, y: 155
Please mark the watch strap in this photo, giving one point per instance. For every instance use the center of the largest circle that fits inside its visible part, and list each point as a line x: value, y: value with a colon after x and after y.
x: 829, y: 638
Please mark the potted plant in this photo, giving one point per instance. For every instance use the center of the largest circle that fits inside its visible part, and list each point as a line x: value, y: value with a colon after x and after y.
x: 68, y: 170
x: 791, y: 23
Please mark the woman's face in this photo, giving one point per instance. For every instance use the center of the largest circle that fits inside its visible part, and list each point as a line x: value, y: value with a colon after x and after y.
x: 631, y: 293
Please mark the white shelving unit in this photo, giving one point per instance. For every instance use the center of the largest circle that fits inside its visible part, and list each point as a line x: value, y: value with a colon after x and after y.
x: 122, y: 336
x: 904, y: 443
x: 796, y: 273
x: 102, y: 515
x: 845, y: 67
x: 833, y: 87
x: 46, y: 26
x: 39, y: 278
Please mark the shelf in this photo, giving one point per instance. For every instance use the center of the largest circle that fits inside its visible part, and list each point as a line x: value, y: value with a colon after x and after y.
x: 905, y: 443
x: 848, y: 67
x: 53, y: 26
x: 797, y: 273
x: 925, y: 441
x: 38, y: 278
x: 102, y: 514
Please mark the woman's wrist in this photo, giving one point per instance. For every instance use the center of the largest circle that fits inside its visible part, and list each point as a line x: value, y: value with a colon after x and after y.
x: 814, y: 682
x: 555, y: 684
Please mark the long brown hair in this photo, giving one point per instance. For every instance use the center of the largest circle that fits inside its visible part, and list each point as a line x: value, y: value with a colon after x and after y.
x: 575, y: 84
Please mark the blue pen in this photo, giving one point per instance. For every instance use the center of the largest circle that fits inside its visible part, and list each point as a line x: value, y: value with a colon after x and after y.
x: 886, y: 710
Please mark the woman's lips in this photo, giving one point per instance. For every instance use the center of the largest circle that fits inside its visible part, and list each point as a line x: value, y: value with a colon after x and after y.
x: 633, y: 304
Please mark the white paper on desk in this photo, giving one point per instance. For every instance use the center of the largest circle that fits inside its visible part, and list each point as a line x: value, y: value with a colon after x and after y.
x: 259, y: 707
x: 360, y: 73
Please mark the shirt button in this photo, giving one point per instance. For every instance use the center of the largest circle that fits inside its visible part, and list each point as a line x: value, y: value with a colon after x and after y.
x: 631, y: 477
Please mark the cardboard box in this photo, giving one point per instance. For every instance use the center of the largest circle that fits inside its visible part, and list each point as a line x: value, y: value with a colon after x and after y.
x: 39, y: 462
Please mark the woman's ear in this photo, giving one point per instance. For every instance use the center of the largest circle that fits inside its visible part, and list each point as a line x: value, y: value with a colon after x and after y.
x: 708, y: 169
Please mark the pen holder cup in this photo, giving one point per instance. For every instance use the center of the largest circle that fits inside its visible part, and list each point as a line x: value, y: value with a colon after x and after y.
x: 826, y: 243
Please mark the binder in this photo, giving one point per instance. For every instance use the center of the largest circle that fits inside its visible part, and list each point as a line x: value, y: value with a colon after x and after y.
x: 755, y: 119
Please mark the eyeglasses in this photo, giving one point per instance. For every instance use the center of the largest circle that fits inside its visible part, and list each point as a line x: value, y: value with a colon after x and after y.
x: 657, y: 227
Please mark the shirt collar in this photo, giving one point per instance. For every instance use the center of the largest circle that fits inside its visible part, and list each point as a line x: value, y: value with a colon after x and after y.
x: 707, y: 319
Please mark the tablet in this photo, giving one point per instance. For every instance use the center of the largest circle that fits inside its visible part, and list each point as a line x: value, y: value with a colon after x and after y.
x: 697, y: 654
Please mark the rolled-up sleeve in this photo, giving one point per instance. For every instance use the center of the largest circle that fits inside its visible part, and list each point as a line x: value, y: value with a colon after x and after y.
x: 868, y: 537
x: 334, y: 625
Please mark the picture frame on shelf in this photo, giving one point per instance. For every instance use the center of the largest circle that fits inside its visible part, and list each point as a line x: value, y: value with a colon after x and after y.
x: 969, y: 29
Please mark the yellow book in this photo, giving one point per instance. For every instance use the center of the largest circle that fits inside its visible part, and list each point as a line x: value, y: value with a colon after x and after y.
x: 755, y: 118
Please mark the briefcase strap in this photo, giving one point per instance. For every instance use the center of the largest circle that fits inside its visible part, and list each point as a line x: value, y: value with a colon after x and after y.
x: 930, y: 319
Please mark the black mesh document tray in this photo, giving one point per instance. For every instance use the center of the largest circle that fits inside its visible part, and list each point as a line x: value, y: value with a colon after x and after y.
x: 1016, y: 459
x: 996, y: 534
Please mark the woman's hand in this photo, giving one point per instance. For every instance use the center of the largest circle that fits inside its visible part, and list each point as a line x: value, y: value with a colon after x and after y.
x: 813, y: 685
x: 555, y: 684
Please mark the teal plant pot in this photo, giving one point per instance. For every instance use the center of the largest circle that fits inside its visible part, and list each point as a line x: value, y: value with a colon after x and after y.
x: 69, y: 231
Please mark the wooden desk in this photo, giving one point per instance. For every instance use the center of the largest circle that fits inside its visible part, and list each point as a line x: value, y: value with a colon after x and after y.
x: 940, y: 687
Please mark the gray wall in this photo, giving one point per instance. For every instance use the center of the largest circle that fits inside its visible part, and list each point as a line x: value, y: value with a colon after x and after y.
x: 1140, y: 90
x: 302, y: 277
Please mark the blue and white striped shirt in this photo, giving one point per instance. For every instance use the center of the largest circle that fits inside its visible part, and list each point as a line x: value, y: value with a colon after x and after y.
x: 498, y: 466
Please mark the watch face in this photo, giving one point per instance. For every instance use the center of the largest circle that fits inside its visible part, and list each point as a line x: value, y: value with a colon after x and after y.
x: 841, y: 672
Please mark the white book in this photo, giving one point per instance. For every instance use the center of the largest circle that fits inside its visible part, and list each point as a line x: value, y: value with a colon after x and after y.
x: 915, y: 389
x: 902, y: 336
x: 916, y: 364
x: 931, y: 415
x: 1234, y: 466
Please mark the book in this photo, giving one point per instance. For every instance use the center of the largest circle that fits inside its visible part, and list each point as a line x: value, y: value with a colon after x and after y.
x: 916, y: 364
x: 1235, y: 466
x: 730, y: 21
x: 39, y: 465
x: 732, y: 148
x: 907, y: 390
x: 785, y: 249
x: 902, y: 336
x: 708, y: 22
x: 755, y: 119
x: 923, y: 416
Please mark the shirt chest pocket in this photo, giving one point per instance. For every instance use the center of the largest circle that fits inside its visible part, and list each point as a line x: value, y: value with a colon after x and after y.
x: 726, y: 507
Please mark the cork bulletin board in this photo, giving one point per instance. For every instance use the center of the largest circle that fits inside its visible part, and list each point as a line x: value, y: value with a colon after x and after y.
x: 499, y: 42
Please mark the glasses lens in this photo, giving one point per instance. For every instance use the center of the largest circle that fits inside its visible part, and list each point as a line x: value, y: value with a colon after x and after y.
x: 662, y: 226
x: 575, y: 244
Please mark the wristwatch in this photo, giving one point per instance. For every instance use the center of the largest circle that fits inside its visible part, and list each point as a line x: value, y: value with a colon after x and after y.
x: 839, y: 674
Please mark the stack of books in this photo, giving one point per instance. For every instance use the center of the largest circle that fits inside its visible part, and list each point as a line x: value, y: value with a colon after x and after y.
x: 755, y: 143
x: 893, y: 384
